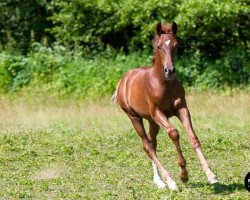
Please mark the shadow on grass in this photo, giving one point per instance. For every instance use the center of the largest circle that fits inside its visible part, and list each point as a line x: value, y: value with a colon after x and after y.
x: 220, y: 188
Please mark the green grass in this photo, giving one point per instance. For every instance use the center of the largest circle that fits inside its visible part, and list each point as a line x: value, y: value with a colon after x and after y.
x: 68, y: 149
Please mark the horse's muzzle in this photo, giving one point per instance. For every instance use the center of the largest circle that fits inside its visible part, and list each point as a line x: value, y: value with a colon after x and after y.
x: 169, y: 72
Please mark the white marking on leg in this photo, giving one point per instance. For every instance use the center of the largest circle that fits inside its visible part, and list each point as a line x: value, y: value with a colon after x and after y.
x: 157, y: 179
x: 171, y: 184
x: 210, y: 175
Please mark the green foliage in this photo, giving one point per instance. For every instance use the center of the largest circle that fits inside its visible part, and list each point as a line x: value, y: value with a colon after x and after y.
x: 23, y: 21
x: 11, y: 72
x: 208, y: 26
x: 85, y: 46
x: 213, y: 27
x: 63, y: 72
x: 118, y: 23
x: 231, y: 70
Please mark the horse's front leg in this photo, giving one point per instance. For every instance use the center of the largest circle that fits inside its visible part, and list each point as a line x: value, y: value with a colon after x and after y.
x: 185, y: 118
x: 150, y: 150
x: 162, y: 121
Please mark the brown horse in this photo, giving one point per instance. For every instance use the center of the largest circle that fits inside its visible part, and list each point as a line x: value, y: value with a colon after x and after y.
x: 155, y: 94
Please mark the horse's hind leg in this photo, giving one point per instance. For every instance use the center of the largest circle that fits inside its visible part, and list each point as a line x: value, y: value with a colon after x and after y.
x: 186, y: 121
x: 153, y: 131
x: 149, y: 149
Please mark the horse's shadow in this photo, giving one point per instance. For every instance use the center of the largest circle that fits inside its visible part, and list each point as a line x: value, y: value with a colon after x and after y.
x: 220, y: 188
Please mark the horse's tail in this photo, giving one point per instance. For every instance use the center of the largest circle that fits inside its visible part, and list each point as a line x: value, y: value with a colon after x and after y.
x: 114, y: 98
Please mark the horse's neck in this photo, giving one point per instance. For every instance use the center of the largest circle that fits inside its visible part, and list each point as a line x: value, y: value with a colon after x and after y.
x: 157, y: 66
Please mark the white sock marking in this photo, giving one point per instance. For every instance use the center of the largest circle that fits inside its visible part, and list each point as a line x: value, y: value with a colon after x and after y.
x: 171, y: 184
x: 157, y: 179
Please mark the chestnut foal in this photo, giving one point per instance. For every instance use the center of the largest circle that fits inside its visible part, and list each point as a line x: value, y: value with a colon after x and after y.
x: 154, y: 93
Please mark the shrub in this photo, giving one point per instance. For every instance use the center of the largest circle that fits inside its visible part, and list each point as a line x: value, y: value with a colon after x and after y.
x: 63, y: 72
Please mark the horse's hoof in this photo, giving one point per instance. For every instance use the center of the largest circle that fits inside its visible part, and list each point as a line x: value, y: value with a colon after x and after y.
x: 184, y: 179
x: 172, y: 184
x: 213, y: 180
x: 184, y: 176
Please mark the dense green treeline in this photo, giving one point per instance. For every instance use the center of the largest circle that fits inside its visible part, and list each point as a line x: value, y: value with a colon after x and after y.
x: 86, y: 45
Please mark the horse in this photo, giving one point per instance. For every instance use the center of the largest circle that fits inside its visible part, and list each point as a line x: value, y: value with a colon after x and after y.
x: 155, y: 94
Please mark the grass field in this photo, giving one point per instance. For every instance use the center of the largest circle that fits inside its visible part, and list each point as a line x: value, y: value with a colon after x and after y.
x: 68, y: 149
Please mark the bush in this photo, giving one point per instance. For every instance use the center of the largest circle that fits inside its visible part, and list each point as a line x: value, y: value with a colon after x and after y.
x: 63, y: 72
x: 12, y: 68
x: 201, y: 72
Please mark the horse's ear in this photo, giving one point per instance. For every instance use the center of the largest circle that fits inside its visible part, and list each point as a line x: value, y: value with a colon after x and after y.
x: 174, y: 28
x: 158, y: 28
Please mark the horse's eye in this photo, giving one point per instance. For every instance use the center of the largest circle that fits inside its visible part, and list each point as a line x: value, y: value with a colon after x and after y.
x: 159, y: 46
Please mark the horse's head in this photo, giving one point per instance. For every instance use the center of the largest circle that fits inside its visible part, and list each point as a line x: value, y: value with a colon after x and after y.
x: 165, y: 45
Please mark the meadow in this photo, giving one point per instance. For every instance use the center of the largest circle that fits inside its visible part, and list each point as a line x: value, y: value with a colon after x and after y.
x: 60, y: 136
x: 54, y: 148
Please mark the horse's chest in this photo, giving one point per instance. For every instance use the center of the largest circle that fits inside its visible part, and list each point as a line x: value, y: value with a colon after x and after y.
x: 167, y: 107
x: 168, y: 104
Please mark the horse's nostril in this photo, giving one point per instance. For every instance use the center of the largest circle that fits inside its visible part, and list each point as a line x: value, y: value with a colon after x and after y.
x: 169, y: 72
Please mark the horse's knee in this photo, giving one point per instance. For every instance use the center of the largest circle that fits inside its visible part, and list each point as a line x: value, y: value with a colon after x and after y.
x: 194, y: 142
x: 173, y: 134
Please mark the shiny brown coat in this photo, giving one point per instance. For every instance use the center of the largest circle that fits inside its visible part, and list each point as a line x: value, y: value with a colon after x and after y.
x: 155, y: 94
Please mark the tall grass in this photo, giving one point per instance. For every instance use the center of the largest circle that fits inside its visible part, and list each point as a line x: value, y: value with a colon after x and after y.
x: 44, y: 113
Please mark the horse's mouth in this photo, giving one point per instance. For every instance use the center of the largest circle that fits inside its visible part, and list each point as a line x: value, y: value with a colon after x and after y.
x: 170, y: 76
x: 169, y: 73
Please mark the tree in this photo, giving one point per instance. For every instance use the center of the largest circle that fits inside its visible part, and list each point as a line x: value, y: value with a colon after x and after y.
x: 20, y: 18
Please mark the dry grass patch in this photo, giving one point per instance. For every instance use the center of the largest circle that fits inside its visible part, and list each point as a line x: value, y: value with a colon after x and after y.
x: 23, y: 114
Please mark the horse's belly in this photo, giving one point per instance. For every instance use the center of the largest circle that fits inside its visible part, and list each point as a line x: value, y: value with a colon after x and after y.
x: 140, y: 106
